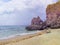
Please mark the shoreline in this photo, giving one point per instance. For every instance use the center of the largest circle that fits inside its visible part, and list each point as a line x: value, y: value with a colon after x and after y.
x: 20, y: 34
x: 20, y: 37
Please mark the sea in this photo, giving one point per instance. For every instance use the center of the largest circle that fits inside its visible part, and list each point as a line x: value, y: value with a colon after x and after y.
x: 13, y: 30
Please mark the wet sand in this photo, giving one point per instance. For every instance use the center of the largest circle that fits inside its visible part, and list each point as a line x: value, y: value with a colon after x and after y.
x: 40, y: 38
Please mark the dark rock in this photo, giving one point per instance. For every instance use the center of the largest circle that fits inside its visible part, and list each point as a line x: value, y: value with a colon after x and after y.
x: 33, y: 27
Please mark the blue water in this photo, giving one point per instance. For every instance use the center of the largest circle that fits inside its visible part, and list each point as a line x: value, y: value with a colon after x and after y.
x: 6, y: 31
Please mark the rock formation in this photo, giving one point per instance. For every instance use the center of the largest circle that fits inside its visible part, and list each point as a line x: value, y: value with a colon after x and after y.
x: 52, y: 18
x: 53, y: 15
x: 36, y: 21
x: 36, y: 24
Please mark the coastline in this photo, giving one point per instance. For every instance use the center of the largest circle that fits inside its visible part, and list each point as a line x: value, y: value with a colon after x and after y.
x: 20, y: 34
x: 16, y: 39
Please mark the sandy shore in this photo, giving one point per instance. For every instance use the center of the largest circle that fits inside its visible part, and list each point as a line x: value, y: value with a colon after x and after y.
x: 40, y: 38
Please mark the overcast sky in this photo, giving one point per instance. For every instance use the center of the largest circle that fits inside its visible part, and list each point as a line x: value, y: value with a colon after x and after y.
x: 20, y: 12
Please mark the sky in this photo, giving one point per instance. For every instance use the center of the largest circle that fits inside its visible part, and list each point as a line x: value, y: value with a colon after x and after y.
x: 21, y: 12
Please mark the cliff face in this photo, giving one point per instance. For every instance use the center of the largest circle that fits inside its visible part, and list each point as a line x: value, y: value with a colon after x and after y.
x: 52, y: 18
x: 53, y: 15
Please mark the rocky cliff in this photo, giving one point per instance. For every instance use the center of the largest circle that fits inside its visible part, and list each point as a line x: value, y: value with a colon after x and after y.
x: 53, y: 15
x: 52, y: 18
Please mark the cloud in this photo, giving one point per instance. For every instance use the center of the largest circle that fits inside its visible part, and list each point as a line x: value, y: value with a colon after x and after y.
x: 21, y: 4
x: 5, y: 0
x: 13, y: 11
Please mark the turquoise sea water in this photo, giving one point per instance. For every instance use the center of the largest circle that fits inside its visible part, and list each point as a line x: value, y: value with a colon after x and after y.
x: 6, y: 31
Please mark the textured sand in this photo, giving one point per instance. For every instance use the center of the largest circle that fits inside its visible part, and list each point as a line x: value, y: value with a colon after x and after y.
x: 52, y: 38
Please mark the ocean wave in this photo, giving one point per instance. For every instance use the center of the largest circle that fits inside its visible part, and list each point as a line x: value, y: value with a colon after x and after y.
x: 21, y: 34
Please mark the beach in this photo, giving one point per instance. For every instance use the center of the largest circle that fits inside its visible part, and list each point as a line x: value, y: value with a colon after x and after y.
x: 44, y: 37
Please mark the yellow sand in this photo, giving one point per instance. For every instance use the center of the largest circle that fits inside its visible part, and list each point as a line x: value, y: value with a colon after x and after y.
x: 52, y: 38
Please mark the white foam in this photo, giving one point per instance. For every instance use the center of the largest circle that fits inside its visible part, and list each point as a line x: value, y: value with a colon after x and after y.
x: 29, y: 33
x: 7, y: 37
x: 21, y: 34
